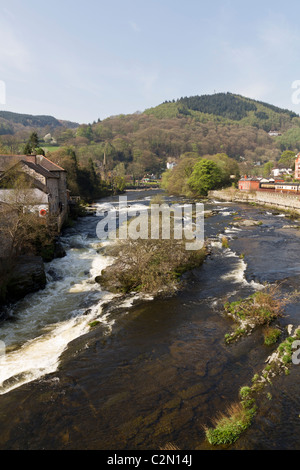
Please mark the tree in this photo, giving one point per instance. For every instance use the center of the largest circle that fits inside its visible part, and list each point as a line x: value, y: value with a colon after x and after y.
x: 267, y: 169
x: 85, y: 131
x: 176, y: 181
x: 32, y: 144
x: 67, y: 159
x: 288, y: 158
x: 22, y: 230
x: 118, y: 181
x: 34, y: 140
x: 228, y: 166
x: 205, y: 177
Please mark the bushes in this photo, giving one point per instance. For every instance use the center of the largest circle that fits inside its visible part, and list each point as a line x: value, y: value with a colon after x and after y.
x: 259, y: 309
x: 148, y: 266
x: 230, y: 425
x: 195, y: 176
x: 271, y: 336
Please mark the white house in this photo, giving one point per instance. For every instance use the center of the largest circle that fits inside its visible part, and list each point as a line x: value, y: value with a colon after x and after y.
x: 281, y: 172
x: 171, y: 165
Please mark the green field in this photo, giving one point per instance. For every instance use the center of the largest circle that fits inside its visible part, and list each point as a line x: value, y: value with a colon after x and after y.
x: 50, y: 148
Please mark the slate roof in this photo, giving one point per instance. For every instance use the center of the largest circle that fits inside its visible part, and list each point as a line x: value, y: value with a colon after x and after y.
x: 39, y: 169
x: 46, y: 163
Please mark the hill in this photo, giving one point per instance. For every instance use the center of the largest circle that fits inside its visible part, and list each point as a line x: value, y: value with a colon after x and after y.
x: 12, y: 122
x: 142, y: 143
x: 227, y: 107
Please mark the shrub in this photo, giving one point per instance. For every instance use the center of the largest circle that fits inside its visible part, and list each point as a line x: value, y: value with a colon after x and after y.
x: 225, y: 243
x: 149, y: 265
x: 271, y: 336
x: 245, y: 392
x: 260, y: 308
x: 93, y: 324
x: 230, y: 425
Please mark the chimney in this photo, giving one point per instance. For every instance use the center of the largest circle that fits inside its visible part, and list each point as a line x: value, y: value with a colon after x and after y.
x: 31, y: 158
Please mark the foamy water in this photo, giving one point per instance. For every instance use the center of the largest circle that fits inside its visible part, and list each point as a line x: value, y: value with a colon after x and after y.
x: 47, y: 321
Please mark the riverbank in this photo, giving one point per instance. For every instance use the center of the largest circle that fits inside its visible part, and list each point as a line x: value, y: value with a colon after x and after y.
x: 26, y: 274
x: 284, y: 202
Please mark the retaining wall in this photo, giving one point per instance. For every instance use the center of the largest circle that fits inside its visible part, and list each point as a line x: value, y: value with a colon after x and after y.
x: 271, y: 199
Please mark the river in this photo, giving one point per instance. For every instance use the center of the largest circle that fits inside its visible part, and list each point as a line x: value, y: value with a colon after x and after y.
x: 152, y: 372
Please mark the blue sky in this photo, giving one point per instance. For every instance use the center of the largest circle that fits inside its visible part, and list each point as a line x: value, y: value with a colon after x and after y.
x: 84, y: 60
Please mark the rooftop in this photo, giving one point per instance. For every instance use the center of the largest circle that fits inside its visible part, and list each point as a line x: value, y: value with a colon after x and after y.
x: 41, y: 163
x: 39, y: 169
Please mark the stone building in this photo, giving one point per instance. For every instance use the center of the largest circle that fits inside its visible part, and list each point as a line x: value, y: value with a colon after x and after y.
x: 49, y: 194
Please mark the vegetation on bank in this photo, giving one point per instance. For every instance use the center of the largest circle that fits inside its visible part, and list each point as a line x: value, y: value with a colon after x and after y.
x: 227, y: 427
x: 194, y: 176
x: 257, y: 310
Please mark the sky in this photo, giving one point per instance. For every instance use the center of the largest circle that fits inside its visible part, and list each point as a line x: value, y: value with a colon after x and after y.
x: 88, y: 60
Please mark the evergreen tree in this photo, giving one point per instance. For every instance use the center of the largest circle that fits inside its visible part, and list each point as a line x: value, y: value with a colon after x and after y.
x: 32, y: 144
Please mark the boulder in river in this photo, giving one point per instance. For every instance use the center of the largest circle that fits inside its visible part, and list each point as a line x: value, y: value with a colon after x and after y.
x: 246, y: 223
x: 27, y: 276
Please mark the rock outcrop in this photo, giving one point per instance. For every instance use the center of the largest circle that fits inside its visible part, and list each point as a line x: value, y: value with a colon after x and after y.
x: 25, y: 276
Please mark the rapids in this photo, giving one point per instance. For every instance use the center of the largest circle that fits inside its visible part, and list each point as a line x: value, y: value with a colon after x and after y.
x: 154, y: 370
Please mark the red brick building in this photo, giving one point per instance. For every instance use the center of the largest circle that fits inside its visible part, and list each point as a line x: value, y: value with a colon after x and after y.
x: 248, y: 184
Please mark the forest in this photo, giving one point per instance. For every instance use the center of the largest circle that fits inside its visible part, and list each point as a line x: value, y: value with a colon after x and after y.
x: 125, y: 148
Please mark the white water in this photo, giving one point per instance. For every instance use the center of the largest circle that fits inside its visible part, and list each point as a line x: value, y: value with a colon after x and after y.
x: 238, y: 270
x: 47, y: 321
x: 237, y: 275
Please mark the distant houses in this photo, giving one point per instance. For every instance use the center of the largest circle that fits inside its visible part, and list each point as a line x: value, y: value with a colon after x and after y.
x: 277, y: 172
x: 283, y: 179
x: 47, y: 193
x: 274, y: 133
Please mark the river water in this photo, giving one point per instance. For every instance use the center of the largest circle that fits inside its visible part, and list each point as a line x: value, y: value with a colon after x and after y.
x: 153, y: 371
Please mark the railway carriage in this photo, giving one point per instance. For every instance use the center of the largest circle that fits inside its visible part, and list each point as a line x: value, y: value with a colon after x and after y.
x: 290, y: 188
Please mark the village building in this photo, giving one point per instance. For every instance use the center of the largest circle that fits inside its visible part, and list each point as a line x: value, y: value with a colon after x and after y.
x: 171, y: 165
x: 249, y: 184
x: 297, y: 167
x: 277, y: 172
x: 48, y: 194
x: 274, y: 133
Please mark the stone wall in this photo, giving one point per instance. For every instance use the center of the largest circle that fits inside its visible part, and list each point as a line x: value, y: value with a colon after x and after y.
x: 266, y: 198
